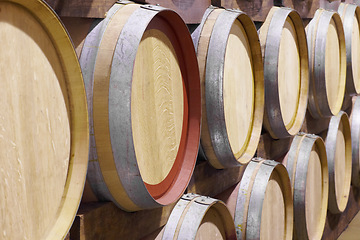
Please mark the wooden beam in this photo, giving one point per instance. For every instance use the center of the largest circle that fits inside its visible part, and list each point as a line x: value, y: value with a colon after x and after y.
x: 209, y: 181
x: 256, y: 9
x: 191, y: 11
x: 81, y: 8
x: 106, y: 221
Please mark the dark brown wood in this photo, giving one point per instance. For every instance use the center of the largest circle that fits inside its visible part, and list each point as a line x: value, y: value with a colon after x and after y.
x: 209, y: 181
x: 337, y: 223
x: 273, y: 149
x: 106, y: 221
x: 191, y: 11
x: 314, y: 126
x: 81, y: 8
x: 256, y: 9
x: 307, y: 8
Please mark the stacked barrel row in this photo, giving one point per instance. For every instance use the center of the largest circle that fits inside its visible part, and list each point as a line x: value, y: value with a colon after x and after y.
x: 303, y: 69
x: 149, y: 97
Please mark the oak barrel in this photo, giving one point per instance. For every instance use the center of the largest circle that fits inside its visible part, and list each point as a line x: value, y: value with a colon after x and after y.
x: 43, y: 123
x: 199, y: 217
x: 355, y: 140
x: 350, y: 15
x: 283, y: 41
x: 327, y: 55
x: 339, y: 156
x: 306, y: 164
x: 231, y: 75
x: 143, y: 90
x: 261, y: 204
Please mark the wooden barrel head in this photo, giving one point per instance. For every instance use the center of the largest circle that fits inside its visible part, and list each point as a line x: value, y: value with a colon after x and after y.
x: 264, y: 206
x: 229, y: 59
x: 355, y: 50
x: 350, y: 15
x: 238, y: 98
x: 38, y: 137
x: 157, y: 106
x: 332, y: 65
x: 144, y: 97
x: 273, y: 210
x: 355, y: 140
x: 283, y: 40
x: 211, y: 227
x: 198, y: 217
x: 307, y: 166
x: 327, y: 54
x: 314, y: 208
x: 338, y: 148
x: 289, y: 73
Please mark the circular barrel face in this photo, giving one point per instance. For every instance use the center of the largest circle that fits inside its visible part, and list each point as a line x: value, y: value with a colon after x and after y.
x: 355, y: 52
x: 146, y: 106
x: 332, y: 65
x: 338, y: 149
x: 289, y: 73
x: 212, y: 227
x: 313, y: 195
x: 157, y: 106
x: 41, y: 180
x: 340, y: 168
x: 238, y: 89
x: 273, y: 218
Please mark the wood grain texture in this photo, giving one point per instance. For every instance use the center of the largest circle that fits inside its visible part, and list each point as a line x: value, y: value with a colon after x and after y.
x: 238, y: 98
x: 42, y: 178
x: 273, y: 211
x: 156, y: 138
x: 35, y: 126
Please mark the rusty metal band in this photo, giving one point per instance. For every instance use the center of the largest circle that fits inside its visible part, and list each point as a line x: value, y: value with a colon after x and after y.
x: 87, y: 62
x: 258, y: 196
x: 355, y: 141
x: 120, y: 107
x: 176, y: 217
x: 196, y: 34
x: 330, y: 143
x: 243, y: 197
x: 348, y: 12
x: 271, y: 57
x: 214, y: 88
